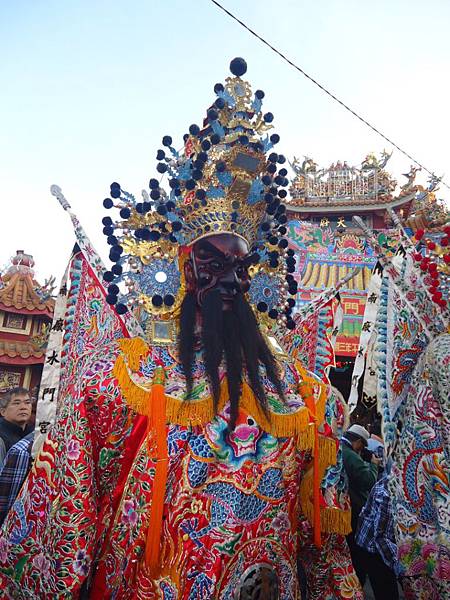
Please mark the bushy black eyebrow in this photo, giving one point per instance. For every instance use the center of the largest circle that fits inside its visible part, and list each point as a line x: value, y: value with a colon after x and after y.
x: 205, y: 245
x: 248, y: 260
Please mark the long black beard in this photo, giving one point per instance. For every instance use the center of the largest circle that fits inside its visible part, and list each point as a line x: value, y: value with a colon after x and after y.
x: 235, y: 334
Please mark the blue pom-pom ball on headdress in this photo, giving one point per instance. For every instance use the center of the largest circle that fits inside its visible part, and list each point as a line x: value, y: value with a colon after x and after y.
x: 212, y: 114
x: 115, y: 190
x: 157, y: 300
x: 113, y: 289
x: 121, y: 309
x: 238, y: 66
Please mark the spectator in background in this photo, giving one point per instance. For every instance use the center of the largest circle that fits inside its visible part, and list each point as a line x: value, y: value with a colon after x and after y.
x: 15, y: 411
x: 15, y: 469
x: 362, y: 476
x: 376, y: 536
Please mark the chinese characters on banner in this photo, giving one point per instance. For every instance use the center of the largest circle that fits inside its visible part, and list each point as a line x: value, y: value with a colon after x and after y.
x: 347, y: 342
x: 48, y: 391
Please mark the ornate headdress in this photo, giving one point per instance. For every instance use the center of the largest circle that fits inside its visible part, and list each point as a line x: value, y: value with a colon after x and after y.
x: 227, y: 179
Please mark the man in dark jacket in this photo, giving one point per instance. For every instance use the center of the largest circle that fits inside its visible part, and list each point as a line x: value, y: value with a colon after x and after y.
x: 362, y: 476
x: 15, y: 411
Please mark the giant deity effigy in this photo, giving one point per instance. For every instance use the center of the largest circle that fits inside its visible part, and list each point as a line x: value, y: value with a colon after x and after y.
x: 188, y: 448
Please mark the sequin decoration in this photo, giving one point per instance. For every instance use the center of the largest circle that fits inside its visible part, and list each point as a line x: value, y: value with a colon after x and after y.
x: 160, y: 277
x: 264, y: 288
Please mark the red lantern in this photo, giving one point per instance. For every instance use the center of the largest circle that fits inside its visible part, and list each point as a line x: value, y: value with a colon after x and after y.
x: 419, y: 234
x: 445, y: 241
x: 431, y: 245
x: 447, y: 259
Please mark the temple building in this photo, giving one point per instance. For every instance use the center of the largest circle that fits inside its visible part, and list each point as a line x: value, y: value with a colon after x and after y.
x: 329, y: 246
x: 26, y: 310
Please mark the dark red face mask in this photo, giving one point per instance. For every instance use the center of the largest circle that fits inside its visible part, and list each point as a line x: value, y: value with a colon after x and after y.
x: 219, y: 262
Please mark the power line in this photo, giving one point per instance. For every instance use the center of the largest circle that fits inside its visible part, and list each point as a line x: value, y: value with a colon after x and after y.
x: 324, y: 89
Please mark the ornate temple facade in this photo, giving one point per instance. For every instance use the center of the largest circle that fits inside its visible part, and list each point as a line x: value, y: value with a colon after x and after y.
x: 26, y: 310
x: 329, y: 246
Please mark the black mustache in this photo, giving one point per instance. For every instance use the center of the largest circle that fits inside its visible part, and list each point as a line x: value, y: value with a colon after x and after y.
x: 235, y: 336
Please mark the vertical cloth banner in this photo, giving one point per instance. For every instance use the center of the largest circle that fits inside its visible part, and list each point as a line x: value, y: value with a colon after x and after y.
x: 338, y: 317
x: 51, y: 373
x: 369, y: 397
x: 368, y: 326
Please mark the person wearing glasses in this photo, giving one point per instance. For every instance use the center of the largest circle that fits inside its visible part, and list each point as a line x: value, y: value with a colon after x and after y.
x: 15, y: 411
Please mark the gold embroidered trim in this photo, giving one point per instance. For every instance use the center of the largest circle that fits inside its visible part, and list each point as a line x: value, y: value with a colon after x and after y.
x: 192, y: 413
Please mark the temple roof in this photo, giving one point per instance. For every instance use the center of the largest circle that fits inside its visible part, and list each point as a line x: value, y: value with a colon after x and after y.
x: 20, y: 292
x: 346, y: 188
x: 23, y: 353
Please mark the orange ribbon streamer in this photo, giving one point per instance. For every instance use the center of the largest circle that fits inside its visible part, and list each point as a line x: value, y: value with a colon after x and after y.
x: 307, y: 392
x: 157, y: 424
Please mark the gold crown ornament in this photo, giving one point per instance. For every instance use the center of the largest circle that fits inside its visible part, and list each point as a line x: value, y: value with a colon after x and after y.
x: 226, y: 179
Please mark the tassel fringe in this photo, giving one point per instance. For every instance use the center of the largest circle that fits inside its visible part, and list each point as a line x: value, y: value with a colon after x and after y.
x: 193, y: 413
x: 134, y: 349
x: 137, y: 397
x: 332, y: 520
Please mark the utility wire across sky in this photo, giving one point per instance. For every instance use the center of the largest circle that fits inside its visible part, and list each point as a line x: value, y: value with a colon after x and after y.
x: 324, y: 89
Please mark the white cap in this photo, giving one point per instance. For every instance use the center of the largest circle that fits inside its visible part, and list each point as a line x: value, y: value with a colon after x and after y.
x: 360, y: 431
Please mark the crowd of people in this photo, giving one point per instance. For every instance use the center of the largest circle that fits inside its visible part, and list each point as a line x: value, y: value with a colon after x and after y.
x: 371, y: 541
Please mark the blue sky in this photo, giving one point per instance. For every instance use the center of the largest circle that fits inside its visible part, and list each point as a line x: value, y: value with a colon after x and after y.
x: 90, y: 87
